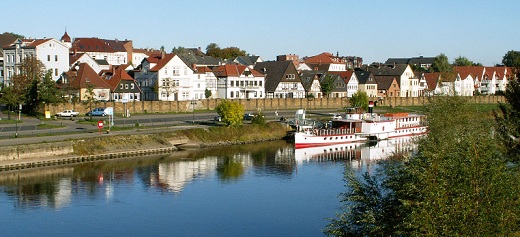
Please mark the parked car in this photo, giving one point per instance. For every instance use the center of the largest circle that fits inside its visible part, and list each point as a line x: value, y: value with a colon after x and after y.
x: 248, y: 116
x: 217, y: 118
x: 67, y: 113
x: 97, y: 112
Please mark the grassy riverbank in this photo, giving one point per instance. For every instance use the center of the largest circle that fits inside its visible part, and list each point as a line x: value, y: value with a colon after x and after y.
x: 203, y: 137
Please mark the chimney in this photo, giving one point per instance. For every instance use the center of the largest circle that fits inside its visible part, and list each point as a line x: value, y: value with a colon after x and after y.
x: 163, y: 54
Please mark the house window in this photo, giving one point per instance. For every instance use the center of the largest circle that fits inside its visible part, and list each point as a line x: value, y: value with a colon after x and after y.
x: 126, y: 86
x: 176, y: 71
x: 231, y: 94
x: 49, y: 58
x: 55, y: 72
x: 132, y: 86
x: 56, y: 58
x: 121, y: 86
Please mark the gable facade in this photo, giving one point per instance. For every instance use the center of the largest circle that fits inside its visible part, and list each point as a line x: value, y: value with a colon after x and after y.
x: 52, y: 53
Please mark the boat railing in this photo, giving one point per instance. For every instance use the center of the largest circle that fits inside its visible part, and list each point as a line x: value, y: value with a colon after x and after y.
x: 331, y: 132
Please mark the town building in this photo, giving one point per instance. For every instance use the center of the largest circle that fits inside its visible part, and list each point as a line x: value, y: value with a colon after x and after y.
x: 52, y: 53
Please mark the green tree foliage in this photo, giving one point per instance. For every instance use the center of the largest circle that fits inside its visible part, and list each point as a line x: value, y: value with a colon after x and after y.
x: 48, y: 93
x: 459, y: 174
x: 368, y: 209
x: 458, y: 184
x: 230, y: 169
x: 231, y: 113
x: 441, y: 64
x: 359, y: 99
x: 327, y: 85
x: 512, y: 59
x: 25, y: 85
x: 90, y: 98
x: 259, y: 119
x: 18, y: 36
x: 508, y: 120
x: 9, y: 98
x: 230, y: 52
x: 207, y: 93
x: 462, y: 61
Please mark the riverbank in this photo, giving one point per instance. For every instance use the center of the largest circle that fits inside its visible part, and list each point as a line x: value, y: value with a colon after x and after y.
x: 131, y: 145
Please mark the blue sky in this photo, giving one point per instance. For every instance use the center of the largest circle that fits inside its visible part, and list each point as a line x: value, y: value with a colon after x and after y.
x: 482, y: 31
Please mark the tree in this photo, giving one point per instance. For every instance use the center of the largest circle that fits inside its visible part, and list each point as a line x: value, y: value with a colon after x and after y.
x: 359, y: 99
x: 368, y: 209
x: 25, y: 84
x: 90, y: 97
x: 230, y: 52
x: 48, y: 93
x: 10, y: 99
x: 441, y: 64
x: 459, y: 173
x: 508, y: 120
x: 207, y: 93
x: 212, y: 49
x: 512, y: 59
x: 18, y: 36
x: 327, y: 85
x: 231, y: 112
x: 462, y: 61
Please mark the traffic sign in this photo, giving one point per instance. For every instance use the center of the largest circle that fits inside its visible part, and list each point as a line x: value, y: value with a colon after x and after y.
x: 100, y: 124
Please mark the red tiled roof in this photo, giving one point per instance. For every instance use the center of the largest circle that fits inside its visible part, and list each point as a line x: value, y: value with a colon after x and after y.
x: 234, y: 70
x: 98, y: 45
x: 432, y: 79
x: 162, y: 62
x: 474, y: 71
x: 203, y: 69
x: 320, y: 58
x: 119, y: 75
x: 86, y: 75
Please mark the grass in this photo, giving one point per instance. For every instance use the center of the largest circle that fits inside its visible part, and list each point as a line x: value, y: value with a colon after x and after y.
x: 9, y: 121
x: 49, y: 126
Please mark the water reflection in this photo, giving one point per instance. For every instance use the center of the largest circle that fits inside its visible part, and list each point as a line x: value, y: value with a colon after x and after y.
x: 358, y: 154
x: 58, y: 187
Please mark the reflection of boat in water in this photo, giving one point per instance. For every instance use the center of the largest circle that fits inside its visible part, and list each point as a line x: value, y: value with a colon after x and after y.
x: 357, y: 126
x: 355, y: 151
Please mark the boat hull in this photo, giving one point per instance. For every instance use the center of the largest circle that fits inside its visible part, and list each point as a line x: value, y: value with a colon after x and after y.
x: 303, y: 140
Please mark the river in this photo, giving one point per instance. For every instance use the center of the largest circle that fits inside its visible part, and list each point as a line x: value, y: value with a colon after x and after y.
x: 264, y: 189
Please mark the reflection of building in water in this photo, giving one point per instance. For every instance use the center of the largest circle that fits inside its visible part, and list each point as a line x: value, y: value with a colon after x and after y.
x: 26, y: 185
x: 356, y: 151
x: 175, y: 175
x: 284, y: 155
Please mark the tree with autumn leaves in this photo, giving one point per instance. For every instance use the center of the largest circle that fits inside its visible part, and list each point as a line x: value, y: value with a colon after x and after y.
x: 32, y: 88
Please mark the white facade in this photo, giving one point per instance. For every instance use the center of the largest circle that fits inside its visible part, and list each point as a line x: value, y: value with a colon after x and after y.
x: 464, y: 86
x: 137, y: 58
x: 52, y: 53
x: 352, y: 85
x: 176, y: 81
x: 242, y: 86
x: 409, y: 85
x: 85, y: 58
x: 289, y: 90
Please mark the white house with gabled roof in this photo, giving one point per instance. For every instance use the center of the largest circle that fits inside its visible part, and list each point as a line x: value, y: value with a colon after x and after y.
x: 51, y: 52
x: 167, y: 77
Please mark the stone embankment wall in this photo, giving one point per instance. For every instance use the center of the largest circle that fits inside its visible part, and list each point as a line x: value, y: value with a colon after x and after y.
x: 251, y: 104
x: 34, y: 151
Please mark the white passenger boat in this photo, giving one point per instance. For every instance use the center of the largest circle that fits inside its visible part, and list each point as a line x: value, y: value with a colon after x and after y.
x: 358, y: 127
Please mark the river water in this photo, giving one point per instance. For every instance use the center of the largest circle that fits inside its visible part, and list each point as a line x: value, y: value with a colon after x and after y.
x: 265, y: 189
